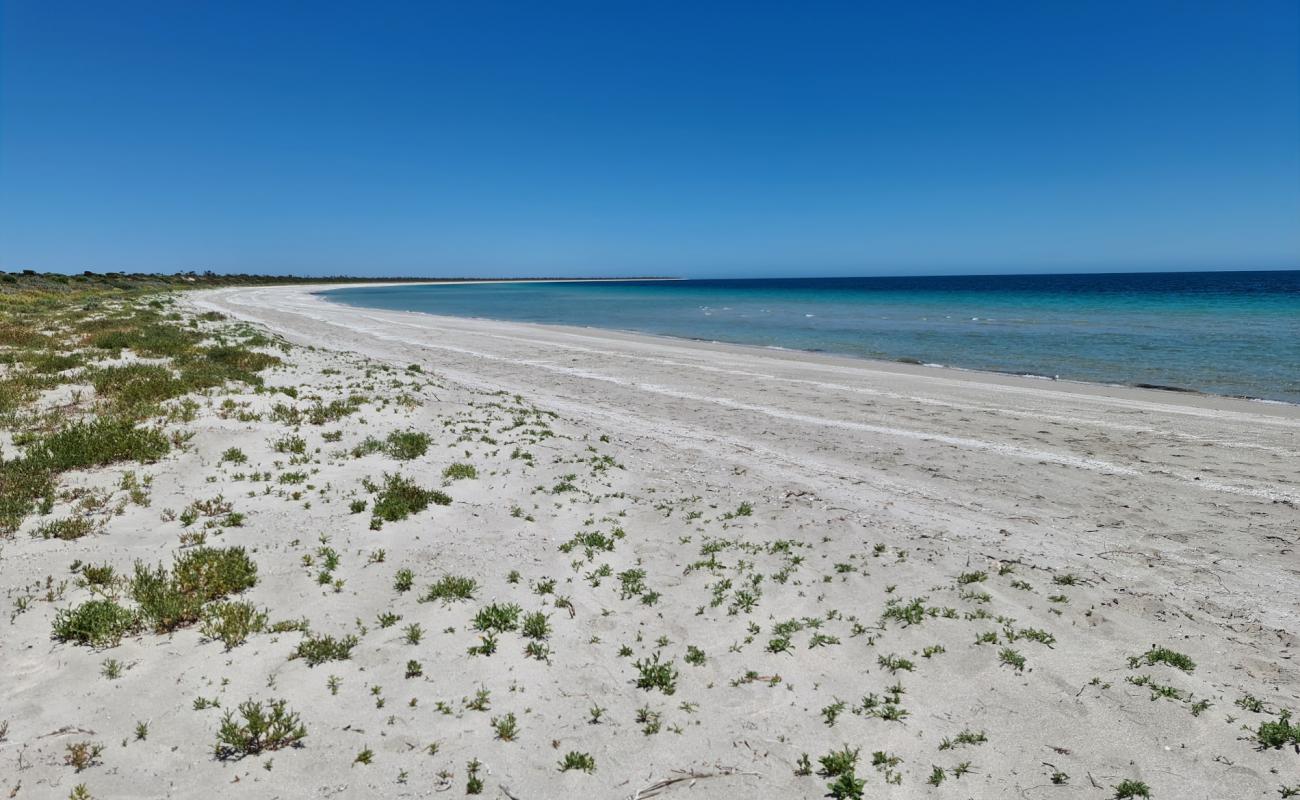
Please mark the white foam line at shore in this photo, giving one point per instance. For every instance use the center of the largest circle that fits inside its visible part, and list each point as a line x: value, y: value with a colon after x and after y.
x: 312, y: 311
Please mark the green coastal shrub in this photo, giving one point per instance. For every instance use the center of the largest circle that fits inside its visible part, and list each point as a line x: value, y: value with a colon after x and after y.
x: 95, y: 623
x: 174, y: 599
x: 401, y: 497
x: 406, y: 445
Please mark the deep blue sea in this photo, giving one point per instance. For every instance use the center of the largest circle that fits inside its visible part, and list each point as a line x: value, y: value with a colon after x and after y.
x: 1231, y: 333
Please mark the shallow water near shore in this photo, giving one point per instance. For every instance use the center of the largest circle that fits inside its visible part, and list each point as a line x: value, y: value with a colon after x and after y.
x: 1229, y: 333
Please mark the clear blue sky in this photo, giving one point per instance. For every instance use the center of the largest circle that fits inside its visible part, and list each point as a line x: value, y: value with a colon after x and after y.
x: 745, y: 138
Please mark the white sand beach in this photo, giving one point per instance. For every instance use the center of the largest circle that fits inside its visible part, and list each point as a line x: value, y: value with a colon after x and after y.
x: 965, y: 577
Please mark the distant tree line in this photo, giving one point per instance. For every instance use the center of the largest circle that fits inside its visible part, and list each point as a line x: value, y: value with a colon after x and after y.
x: 56, y: 281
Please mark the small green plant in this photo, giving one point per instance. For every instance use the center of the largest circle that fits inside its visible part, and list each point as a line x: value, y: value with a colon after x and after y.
x: 963, y: 739
x: 895, y: 663
x: 257, y: 727
x: 458, y: 471
x: 473, y: 783
x: 1012, y: 658
x: 1273, y: 734
x: 583, y: 762
x: 1126, y: 790
x: 536, y: 626
x: 847, y: 786
x: 413, y: 633
x: 365, y: 757
x: 498, y: 617
x: 506, y: 727
x: 404, y: 580
x: 317, y: 650
x: 450, y: 588
x: 1162, y: 655
x: 832, y: 712
x: 482, y: 700
x: 656, y: 674
x: 293, y: 445
x: 838, y: 762
x: 912, y: 613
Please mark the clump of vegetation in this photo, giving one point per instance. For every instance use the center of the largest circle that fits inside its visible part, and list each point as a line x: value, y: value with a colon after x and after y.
x: 583, y: 762
x: 68, y: 529
x: 232, y: 623
x: 96, y: 623
x: 498, y: 617
x: 694, y: 656
x: 506, y: 727
x: 317, y: 650
x: 256, y: 728
x: 406, y: 445
x: 906, y: 614
x: 404, y: 580
x: 536, y: 625
x: 655, y: 674
x: 1277, y: 733
x: 1163, y: 655
x: 401, y: 497
x: 1126, y: 790
x: 449, y: 588
x: 173, y: 599
x: 473, y: 782
x: 1012, y: 658
x: 841, y: 766
x: 456, y: 472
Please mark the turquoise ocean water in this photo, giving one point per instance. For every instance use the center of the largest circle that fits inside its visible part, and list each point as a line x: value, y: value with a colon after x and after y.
x: 1231, y: 333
